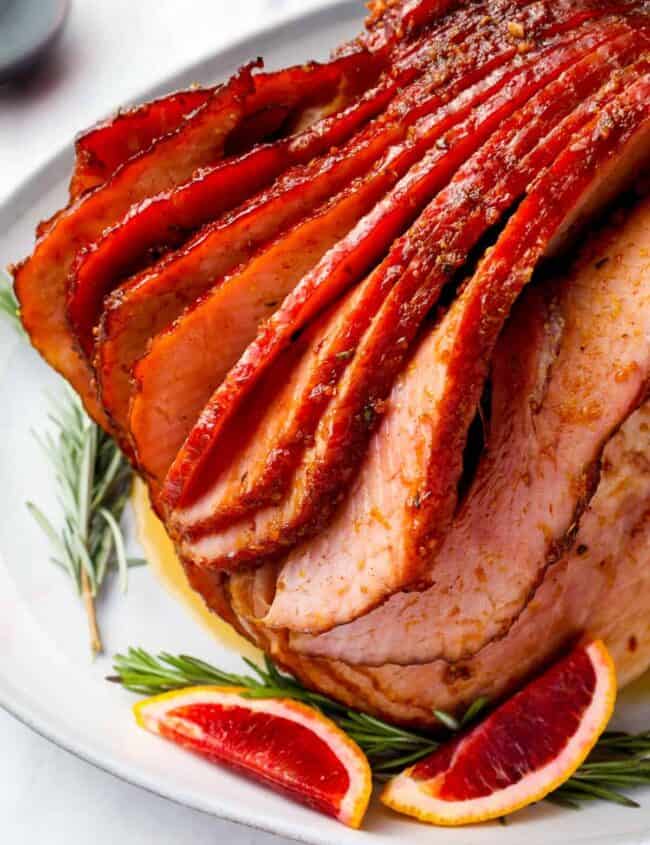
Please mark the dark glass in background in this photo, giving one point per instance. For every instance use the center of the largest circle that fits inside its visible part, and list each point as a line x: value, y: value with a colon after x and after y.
x: 28, y: 29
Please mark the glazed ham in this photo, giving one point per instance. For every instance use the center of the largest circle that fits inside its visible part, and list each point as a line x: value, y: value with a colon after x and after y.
x: 326, y: 313
x: 571, y: 367
x: 380, y: 351
x: 324, y: 245
x: 402, y: 504
x: 199, y: 141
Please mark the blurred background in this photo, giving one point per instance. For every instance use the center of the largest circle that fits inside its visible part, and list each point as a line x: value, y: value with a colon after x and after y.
x: 108, y: 52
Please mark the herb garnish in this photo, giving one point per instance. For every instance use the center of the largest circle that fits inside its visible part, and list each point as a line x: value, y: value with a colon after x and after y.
x: 618, y: 761
x: 9, y: 306
x: 94, y: 481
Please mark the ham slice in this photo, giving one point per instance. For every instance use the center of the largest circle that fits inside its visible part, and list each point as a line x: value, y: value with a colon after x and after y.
x: 402, y: 502
x: 314, y: 488
x: 348, y: 260
x: 168, y: 219
x: 171, y: 374
x: 555, y: 405
x: 609, y: 558
x: 99, y: 151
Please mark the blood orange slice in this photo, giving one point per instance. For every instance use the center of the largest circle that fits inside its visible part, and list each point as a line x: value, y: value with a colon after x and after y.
x: 280, y: 742
x: 525, y: 749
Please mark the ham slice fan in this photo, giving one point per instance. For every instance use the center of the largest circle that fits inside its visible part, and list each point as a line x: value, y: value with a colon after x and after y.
x: 376, y: 333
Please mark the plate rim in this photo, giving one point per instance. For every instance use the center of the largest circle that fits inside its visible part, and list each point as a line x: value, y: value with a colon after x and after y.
x: 26, y: 710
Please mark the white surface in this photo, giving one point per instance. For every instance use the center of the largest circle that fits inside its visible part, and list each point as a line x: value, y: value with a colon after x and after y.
x: 110, y: 50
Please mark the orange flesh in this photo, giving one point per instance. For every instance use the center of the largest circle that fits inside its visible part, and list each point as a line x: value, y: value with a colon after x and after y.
x: 281, y: 753
x: 524, y: 734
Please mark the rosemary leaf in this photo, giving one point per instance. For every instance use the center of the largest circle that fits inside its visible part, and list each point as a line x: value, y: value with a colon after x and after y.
x: 120, y: 553
x: 447, y: 720
x: 9, y: 307
x: 596, y: 791
x: 47, y: 528
x: 474, y: 710
x: 135, y: 562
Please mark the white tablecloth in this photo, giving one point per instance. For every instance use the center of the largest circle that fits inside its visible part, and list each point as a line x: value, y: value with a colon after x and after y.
x: 111, y: 49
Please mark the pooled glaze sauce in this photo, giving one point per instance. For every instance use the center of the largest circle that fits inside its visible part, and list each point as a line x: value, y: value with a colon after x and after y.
x: 164, y: 563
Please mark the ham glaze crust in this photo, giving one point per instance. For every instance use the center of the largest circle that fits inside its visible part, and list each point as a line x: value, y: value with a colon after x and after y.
x: 376, y: 333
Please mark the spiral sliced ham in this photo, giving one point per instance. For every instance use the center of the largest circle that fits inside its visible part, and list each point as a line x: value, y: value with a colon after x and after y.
x: 297, y: 299
x: 170, y: 218
x: 41, y: 280
x: 314, y: 486
x: 573, y: 365
x: 431, y: 106
x: 402, y: 505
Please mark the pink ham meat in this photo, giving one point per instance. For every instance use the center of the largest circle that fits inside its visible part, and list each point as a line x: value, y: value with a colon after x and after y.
x: 609, y: 559
x: 314, y: 486
x: 402, y: 501
x: 172, y: 375
x: 573, y: 364
x: 168, y: 219
x: 346, y: 262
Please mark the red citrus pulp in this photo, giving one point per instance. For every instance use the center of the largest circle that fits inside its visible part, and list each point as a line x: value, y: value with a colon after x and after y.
x: 282, y: 743
x: 520, y: 753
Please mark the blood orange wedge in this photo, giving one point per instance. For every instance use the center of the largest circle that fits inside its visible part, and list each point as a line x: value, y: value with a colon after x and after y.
x: 280, y: 742
x: 523, y: 751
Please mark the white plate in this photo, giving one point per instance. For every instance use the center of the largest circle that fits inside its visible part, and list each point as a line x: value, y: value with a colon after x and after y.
x: 46, y: 678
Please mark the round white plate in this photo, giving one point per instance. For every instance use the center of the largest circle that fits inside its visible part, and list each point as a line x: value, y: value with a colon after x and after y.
x: 46, y: 677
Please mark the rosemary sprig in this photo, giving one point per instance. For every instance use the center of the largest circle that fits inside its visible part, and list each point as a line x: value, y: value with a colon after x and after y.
x: 9, y: 306
x: 388, y: 748
x: 618, y: 761
x: 94, y: 481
